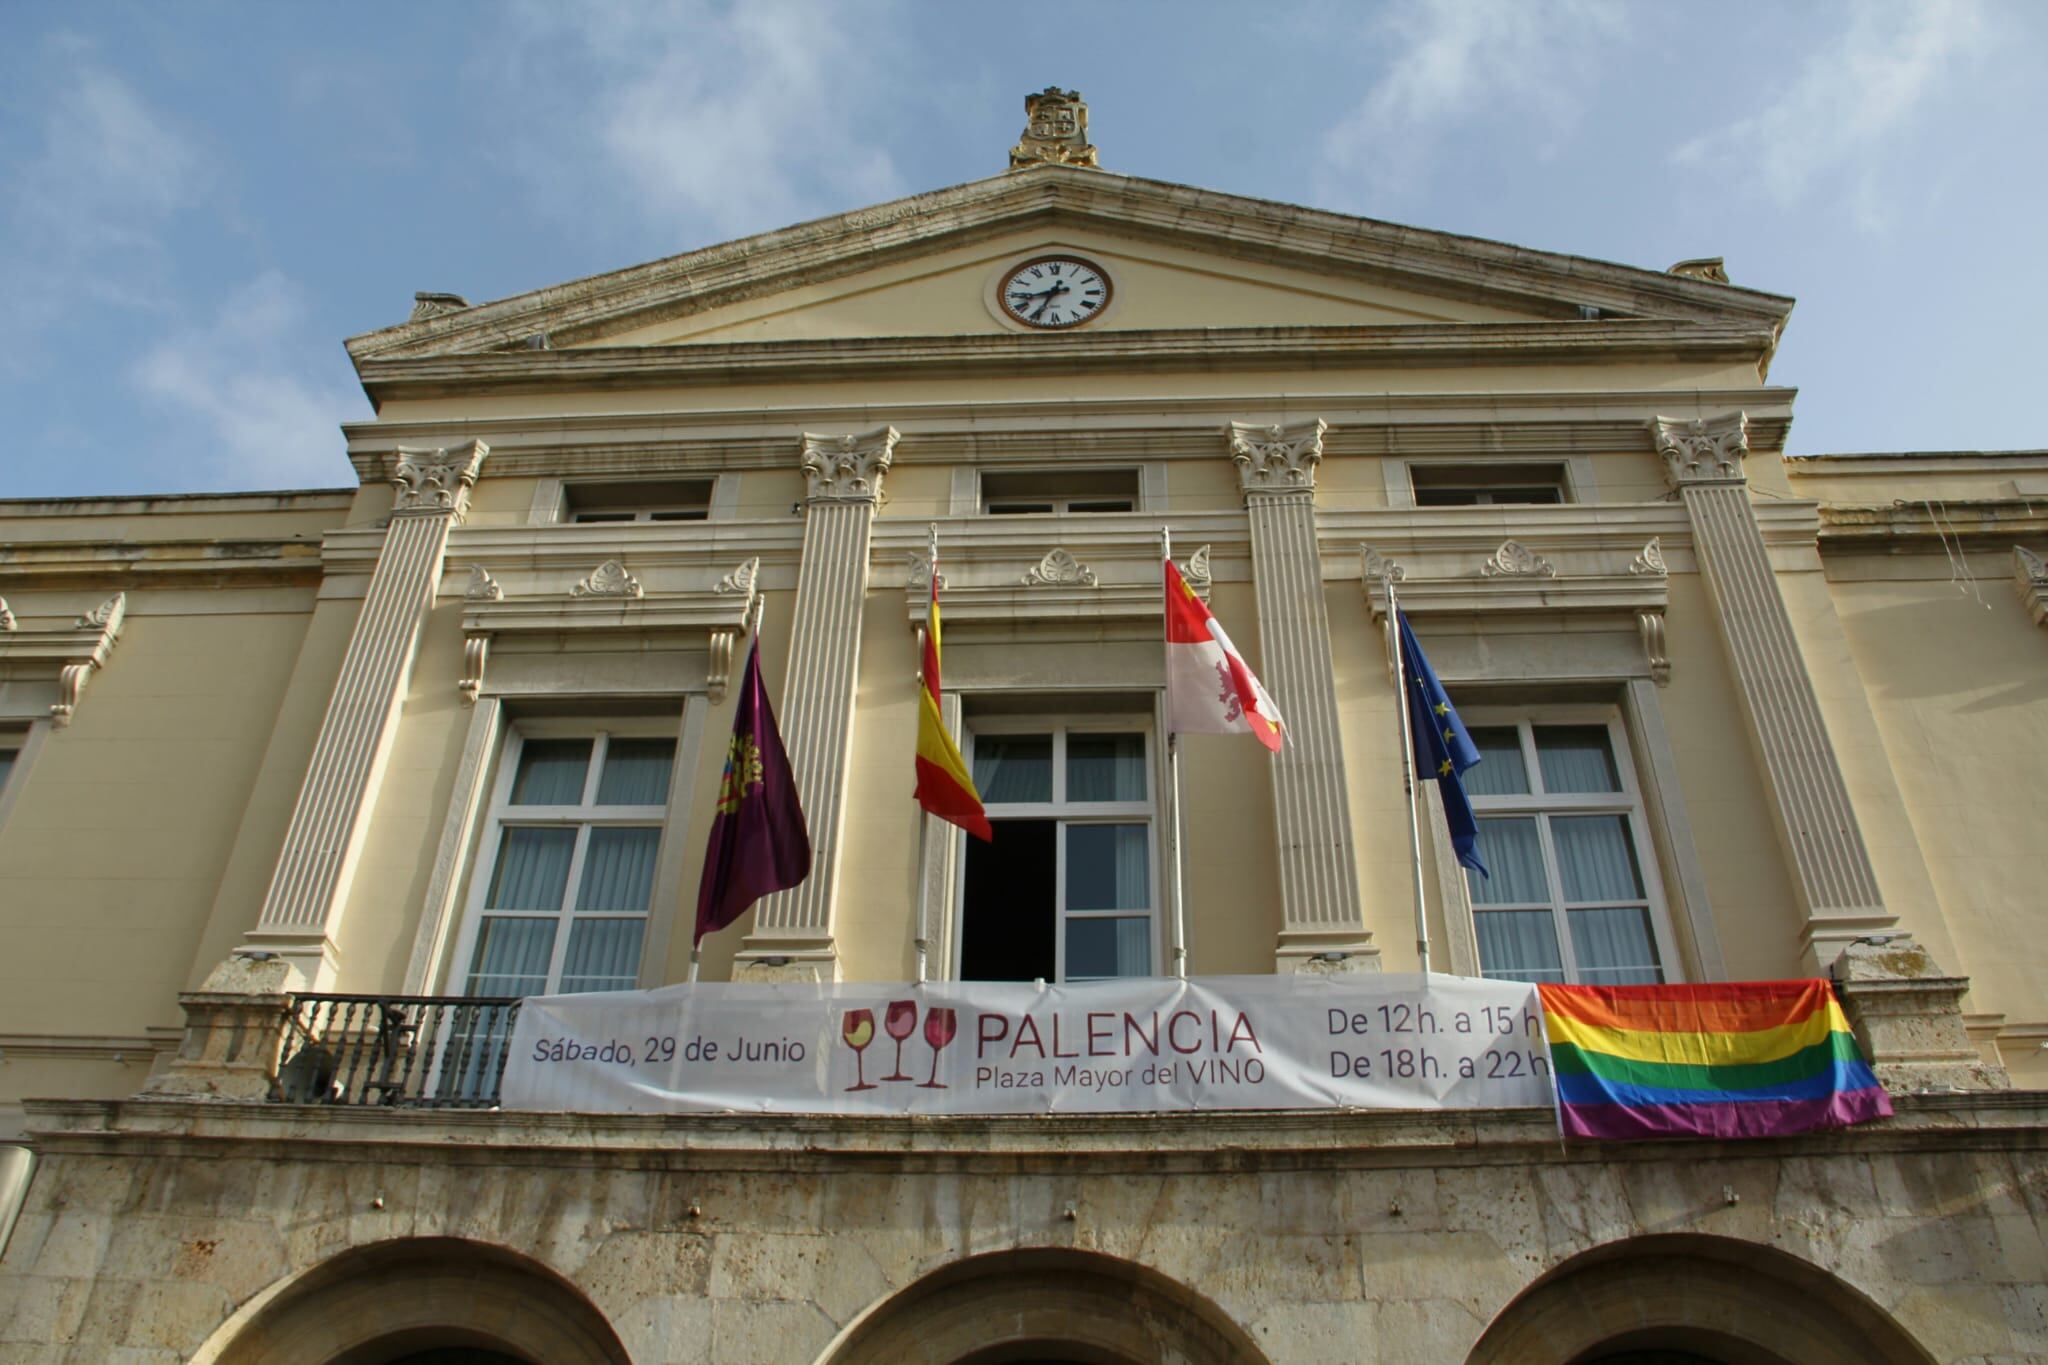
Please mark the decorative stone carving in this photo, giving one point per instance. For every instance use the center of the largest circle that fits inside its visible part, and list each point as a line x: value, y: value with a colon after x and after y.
x: 1277, y: 459
x: 1196, y: 570
x: 742, y: 580
x: 1707, y: 268
x: 1377, y: 568
x: 1698, y: 450
x: 2029, y: 579
x: 1650, y: 561
x: 105, y: 618
x: 1059, y: 570
x: 1055, y: 130
x: 847, y: 468
x: 426, y: 306
x: 483, y: 587
x: 476, y: 655
x: 1515, y: 560
x: 1651, y: 623
x: 718, y: 671
x: 609, y: 579
x: 921, y: 573
x: 438, y: 479
x: 6, y: 616
x: 71, y: 679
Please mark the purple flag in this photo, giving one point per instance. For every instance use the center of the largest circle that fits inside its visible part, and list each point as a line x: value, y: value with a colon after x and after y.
x: 758, y: 840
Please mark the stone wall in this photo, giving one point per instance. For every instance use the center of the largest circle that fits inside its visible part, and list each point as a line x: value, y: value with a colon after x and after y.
x: 172, y: 1230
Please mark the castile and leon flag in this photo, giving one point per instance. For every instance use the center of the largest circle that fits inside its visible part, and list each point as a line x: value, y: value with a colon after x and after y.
x: 1209, y: 688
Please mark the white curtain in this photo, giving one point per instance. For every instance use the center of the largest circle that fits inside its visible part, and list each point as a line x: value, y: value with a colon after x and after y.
x: 1595, y: 860
x: 1011, y: 768
x: 618, y: 869
x: 1615, y: 947
x: 604, y: 955
x: 1500, y: 771
x: 533, y: 868
x: 1519, y: 945
x: 1108, y: 868
x: 1105, y: 767
x: 1108, y: 946
x: 512, y: 956
x: 1575, y: 758
x: 551, y: 772
x: 1514, y: 858
x: 636, y: 772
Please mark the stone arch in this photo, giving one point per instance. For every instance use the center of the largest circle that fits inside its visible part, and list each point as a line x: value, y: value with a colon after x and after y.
x: 1044, y: 1303
x: 427, y: 1296
x: 1691, y: 1296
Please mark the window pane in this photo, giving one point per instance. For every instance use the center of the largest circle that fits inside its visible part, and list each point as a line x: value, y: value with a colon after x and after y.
x: 1013, y: 768
x: 1510, y: 850
x: 1107, y: 868
x: 6, y: 764
x: 1105, y: 767
x: 604, y: 955
x: 1120, y: 946
x: 512, y: 956
x: 636, y: 772
x: 618, y: 869
x: 1101, y: 505
x: 1576, y: 758
x: 1017, y: 509
x: 551, y: 772
x: 1595, y: 858
x: 533, y: 869
x: 1519, y: 945
x: 1615, y: 947
x: 1501, y: 771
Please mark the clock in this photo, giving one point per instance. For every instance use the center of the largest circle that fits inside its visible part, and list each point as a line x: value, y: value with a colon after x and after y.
x: 1054, y: 292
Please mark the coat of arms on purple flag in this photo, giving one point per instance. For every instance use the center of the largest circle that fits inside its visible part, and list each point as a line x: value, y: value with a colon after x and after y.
x: 758, y: 842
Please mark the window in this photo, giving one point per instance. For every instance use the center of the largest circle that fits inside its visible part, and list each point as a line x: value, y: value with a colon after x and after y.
x: 10, y: 752
x: 1042, y: 491
x: 1573, y: 894
x: 1065, y: 892
x: 566, y: 871
x: 659, y: 500
x: 1477, y: 485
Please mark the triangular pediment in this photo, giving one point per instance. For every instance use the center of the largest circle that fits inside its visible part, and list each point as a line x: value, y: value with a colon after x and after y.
x: 1180, y: 259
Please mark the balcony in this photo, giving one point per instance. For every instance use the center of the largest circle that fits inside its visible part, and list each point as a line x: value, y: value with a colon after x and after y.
x: 432, y: 1051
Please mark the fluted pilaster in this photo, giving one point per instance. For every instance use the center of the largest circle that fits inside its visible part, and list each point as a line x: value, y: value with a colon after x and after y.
x: 1836, y: 884
x: 793, y: 936
x: 303, y: 907
x: 1319, y: 896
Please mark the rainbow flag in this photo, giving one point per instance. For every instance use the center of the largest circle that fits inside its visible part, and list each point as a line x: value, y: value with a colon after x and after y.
x: 1741, y: 1059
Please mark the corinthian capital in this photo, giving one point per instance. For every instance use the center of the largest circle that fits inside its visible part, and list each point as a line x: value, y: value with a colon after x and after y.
x: 1702, y: 450
x: 847, y: 468
x: 1277, y: 459
x: 436, y: 480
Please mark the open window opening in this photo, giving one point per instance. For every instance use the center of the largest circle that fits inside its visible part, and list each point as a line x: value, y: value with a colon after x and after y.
x: 1067, y: 889
x: 1029, y: 492
x: 649, y: 500
x: 1518, y: 482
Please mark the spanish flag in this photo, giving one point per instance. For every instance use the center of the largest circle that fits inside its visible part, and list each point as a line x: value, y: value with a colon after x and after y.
x: 944, y: 786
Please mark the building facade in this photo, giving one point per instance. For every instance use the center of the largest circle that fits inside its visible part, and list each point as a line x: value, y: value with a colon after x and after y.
x: 292, y: 767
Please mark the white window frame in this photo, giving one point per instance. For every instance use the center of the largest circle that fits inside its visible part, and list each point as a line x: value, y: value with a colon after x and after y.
x: 584, y: 816
x: 1576, y: 485
x: 1064, y: 813
x: 1058, y: 504
x: 1628, y: 803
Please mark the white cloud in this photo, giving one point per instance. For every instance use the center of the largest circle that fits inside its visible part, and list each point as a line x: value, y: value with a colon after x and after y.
x: 1453, y: 62
x: 732, y: 118
x: 252, y: 383
x: 1849, y: 98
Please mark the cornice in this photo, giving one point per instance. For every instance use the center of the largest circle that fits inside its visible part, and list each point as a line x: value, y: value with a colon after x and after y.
x: 1127, y: 352
x: 1921, y: 527
x: 1031, y: 431
x: 159, y: 563
x: 1432, y: 262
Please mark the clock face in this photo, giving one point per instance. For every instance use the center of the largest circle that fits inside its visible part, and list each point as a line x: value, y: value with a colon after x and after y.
x: 1055, y: 291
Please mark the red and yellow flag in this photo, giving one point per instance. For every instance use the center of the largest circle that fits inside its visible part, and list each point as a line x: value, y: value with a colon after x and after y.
x: 944, y: 786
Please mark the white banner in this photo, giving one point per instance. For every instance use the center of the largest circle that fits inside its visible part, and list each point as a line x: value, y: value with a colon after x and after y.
x: 1150, y: 1044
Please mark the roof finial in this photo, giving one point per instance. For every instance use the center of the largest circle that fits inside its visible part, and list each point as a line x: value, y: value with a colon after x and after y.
x: 1055, y: 130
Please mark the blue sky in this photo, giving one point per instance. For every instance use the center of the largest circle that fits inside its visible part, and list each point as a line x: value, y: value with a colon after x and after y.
x: 198, y: 201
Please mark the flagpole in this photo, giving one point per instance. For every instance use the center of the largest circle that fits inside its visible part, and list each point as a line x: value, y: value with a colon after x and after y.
x: 922, y: 940
x: 1180, y: 922
x: 751, y: 624
x: 1408, y: 767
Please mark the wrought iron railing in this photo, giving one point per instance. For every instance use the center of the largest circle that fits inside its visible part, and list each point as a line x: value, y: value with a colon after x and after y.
x: 438, y: 1051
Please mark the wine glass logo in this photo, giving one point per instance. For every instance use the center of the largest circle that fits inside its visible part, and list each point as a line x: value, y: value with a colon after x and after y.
x: 857, y: 1027
x: 901, y: 1021
x: 939, y: 1024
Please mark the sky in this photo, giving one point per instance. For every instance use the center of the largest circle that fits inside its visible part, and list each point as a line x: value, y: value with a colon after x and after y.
x: 199, y: 201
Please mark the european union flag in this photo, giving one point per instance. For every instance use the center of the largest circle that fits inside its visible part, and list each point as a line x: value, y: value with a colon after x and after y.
x: 1443, y: 748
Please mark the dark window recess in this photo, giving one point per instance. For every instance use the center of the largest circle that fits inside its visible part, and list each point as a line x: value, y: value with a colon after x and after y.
x: 1044, y: 491
x: 1474, y: 485
x: 651, y: 500
x: 1007, y: 928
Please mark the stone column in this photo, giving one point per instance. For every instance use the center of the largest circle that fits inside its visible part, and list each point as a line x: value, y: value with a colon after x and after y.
x: 792, y: 937
x: 1831, y: 869
x: 302, y: 910
x: 1319, y: 901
